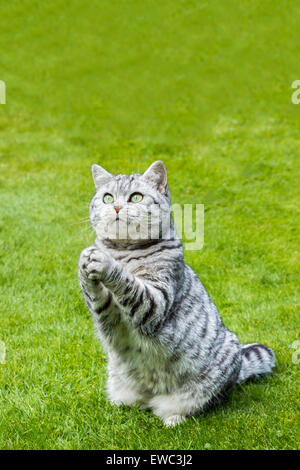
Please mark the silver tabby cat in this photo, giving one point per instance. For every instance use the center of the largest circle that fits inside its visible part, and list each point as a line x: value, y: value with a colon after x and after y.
x: 168, y: 349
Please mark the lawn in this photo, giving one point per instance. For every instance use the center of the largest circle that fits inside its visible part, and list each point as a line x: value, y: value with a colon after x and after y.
x: 204, y: 86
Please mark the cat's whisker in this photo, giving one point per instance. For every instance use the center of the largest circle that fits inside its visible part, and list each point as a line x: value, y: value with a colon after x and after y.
x: 85, y: 229
x: 81, y: 222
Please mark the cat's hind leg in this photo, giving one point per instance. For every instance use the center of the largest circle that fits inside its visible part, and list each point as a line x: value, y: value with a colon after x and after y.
x: 173, y: 409
x: 173, y: 420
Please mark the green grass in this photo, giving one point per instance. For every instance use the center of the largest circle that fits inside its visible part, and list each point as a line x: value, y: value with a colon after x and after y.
x: 205, y: 86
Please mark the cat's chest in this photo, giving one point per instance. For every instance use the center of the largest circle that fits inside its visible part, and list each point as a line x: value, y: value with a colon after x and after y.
x: 142, y: 360
x: 128, y: 343
x: 133, y: 260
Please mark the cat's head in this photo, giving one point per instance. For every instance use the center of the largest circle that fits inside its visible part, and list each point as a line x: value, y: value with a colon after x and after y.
x: 131, y: 208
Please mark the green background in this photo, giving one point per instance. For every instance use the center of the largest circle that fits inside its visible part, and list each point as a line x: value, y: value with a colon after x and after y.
x: 204, y: 86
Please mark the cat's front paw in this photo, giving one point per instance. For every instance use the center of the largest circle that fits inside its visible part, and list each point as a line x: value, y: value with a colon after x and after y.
x: 99, y: 266
x: 94, y: 264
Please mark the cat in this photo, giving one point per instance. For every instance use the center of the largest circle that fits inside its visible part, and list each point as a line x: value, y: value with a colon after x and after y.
x: 168, y: 349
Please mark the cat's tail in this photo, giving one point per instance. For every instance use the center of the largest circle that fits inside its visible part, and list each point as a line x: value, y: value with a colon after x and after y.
x: 257, y: 359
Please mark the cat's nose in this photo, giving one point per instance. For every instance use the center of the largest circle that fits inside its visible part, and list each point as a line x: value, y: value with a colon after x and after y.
x: 117, y: 209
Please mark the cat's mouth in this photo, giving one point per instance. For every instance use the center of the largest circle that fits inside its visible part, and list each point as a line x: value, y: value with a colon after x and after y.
x: 123, y: 219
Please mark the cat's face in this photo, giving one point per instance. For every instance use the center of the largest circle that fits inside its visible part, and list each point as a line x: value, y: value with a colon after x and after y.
x: 131, y: 207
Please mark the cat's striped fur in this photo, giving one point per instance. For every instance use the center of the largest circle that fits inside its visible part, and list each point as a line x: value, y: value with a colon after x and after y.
x: 167, y: 346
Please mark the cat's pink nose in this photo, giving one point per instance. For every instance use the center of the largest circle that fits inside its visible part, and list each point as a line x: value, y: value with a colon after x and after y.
x: 117, y: 209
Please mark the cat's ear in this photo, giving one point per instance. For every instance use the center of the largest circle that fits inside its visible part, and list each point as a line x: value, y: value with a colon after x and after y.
x: 100, y: 175
x: 157, y: 175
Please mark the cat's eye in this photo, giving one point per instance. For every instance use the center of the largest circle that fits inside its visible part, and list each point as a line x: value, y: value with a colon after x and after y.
x: 108, y: 198
x: 136, y: 197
